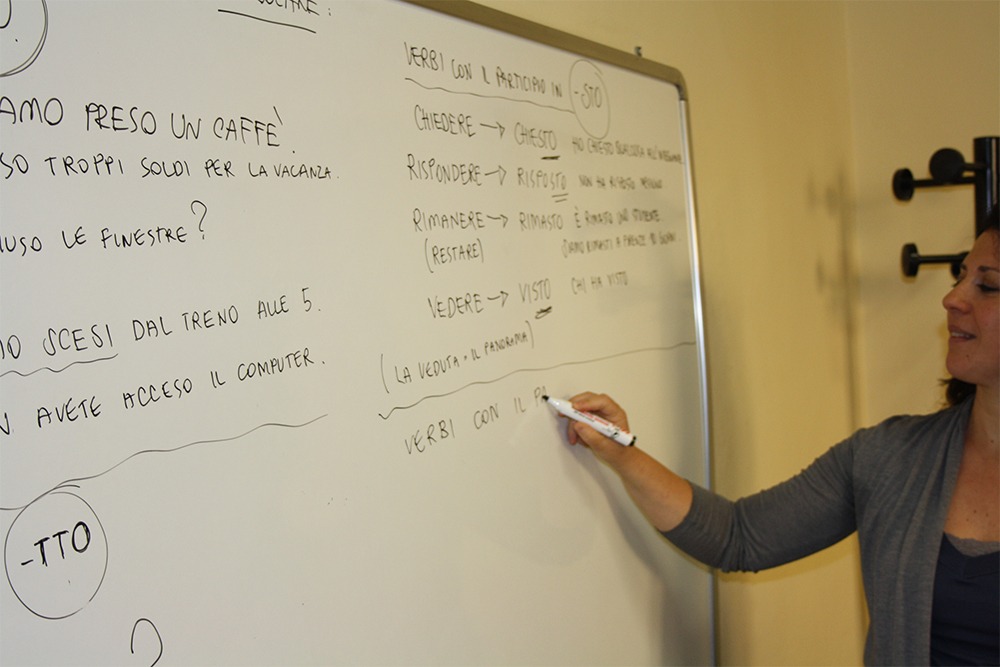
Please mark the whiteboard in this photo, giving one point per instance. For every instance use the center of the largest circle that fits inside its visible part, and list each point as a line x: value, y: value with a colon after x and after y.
x: 282, y: 284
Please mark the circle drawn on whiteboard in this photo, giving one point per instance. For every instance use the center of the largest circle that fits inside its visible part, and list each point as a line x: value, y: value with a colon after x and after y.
x: 56, y: 555
x: 590, y: 98
x: 24, y: 25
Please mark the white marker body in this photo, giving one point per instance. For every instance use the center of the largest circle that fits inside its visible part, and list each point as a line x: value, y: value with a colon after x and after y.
x: 602, y: 426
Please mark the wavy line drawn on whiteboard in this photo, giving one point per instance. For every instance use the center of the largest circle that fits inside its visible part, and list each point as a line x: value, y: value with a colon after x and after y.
x: 20, y: 23
x: 263, y: 20
x: 159, y: 639
x: 56, y: 574
x: 487, y: 97
x: 537, y: 369
x: 169, y: 450
x: 57, y: 370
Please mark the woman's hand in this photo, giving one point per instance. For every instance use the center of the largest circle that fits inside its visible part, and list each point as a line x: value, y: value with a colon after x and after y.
x: 664, y: 497
x: 604, y: 407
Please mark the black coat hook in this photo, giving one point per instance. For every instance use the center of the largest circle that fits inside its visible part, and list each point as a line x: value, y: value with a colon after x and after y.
x: 949, y: 167
x: 911, y: 259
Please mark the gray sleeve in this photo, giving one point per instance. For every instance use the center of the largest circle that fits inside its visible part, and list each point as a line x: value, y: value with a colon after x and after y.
x: 795, y: 518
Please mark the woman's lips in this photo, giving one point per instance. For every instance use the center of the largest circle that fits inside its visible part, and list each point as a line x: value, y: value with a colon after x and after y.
x: 955, y: 333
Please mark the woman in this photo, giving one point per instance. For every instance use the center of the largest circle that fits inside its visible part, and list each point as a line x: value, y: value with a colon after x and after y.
x: 923, y: 492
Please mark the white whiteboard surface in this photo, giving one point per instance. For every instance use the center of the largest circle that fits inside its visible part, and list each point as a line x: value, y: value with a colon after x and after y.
x: 281, y: 286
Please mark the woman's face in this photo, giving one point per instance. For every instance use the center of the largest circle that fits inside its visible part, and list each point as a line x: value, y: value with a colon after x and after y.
x: 974, y: 316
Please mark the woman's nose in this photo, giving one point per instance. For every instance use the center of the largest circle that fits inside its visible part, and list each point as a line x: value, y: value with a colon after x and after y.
x: 955, y: 299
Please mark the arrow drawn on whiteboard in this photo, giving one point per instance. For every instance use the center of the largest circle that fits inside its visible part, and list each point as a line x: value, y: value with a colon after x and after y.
x: 502, y: 218
x: 502, y: 296
x: 499, y: 170
x: 498, y: 127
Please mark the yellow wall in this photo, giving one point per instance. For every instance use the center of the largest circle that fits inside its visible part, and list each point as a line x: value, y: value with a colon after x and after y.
x: 935, y: 84
x: 800, y: 112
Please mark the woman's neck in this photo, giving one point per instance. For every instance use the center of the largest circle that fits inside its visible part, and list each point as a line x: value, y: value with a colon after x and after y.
x: 984, y: 423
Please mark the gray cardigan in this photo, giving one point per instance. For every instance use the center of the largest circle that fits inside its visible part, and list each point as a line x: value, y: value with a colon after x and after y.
x: 892, y: 483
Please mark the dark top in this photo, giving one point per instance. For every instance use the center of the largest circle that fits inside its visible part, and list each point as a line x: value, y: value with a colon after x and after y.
x: 965, y: 618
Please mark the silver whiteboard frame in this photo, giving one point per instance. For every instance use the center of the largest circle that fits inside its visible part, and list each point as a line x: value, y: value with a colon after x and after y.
x: 536, y: 32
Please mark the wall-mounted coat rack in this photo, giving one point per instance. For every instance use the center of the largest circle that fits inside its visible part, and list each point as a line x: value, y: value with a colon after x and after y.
x: 948, y: 167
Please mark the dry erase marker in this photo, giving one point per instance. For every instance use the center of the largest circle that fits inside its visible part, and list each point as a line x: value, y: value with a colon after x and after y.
x: 606, y: 428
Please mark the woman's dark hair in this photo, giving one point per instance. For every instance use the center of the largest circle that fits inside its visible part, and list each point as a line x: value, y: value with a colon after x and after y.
x: 956, y: 390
